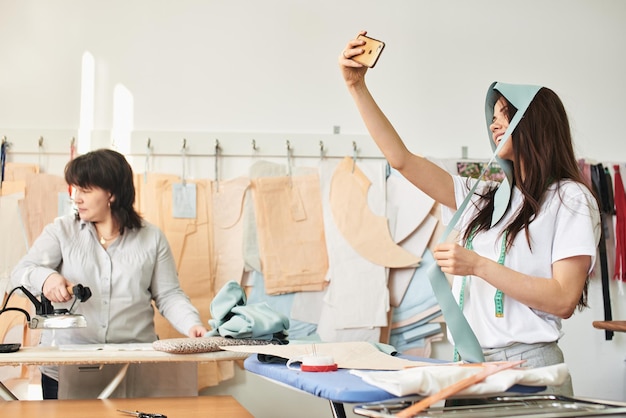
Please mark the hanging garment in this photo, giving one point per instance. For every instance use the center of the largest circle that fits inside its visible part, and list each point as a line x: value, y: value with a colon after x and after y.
x: 598, y: 182
x: 412, y: 321
x: 407, y: 206
x: 191, y: 244
x: 416, y: 243
x: 609, y: 221
x: 19, y: 171
x: 412, y: 226
x: 356, y: 302
x: 13, y: 186
x: 190, y: 240
x: 41, y: 202
x: 329, y: 331
x: 290, y: 233
x: 367, y: 233
x: 306, y: 307
x: 620, y: 227
x: 228, y: 204
x: 146, y: 194
x: 424, y: 350
x: 15, y: 175
x: 252, y: 261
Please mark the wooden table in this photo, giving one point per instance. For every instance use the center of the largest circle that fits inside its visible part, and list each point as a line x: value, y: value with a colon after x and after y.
x: 104, y: 354
x: 619, y: 326
x: 184, y: 407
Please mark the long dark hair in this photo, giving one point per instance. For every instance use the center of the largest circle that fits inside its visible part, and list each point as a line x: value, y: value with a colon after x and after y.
x: 542, y: 144
x: 109, y: 171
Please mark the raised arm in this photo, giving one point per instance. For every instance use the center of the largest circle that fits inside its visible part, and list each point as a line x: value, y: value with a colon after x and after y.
x: 427, y: 176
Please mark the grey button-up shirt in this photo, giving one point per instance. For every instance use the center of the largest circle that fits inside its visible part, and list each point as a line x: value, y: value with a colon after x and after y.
x: 124, y: 279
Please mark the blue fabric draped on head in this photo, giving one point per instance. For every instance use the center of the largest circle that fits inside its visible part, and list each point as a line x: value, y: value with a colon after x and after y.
x: 520, y: 96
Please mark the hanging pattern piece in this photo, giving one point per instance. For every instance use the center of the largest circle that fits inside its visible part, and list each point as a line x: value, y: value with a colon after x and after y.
x: 348, y: 201
x: 620, y: 226
x: 290, y: 231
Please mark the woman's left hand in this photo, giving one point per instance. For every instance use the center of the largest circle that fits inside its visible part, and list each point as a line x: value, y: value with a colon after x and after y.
x: 197, y: 331
x: 454, y: 259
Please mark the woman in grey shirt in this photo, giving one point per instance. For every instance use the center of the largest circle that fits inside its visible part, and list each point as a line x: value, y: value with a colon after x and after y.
x: 106, y: 246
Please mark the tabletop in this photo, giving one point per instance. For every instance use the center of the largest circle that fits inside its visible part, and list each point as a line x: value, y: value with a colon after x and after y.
x: 183, y: 407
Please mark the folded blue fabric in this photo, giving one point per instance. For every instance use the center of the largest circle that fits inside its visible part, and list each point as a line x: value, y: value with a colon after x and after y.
x: 233, y: 318
x: 229, y: 296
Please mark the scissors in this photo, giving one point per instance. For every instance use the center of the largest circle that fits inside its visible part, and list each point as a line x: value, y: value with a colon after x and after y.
x: 139, y: 414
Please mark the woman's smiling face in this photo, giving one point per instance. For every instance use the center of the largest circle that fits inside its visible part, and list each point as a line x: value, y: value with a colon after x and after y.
x: 499, y: 124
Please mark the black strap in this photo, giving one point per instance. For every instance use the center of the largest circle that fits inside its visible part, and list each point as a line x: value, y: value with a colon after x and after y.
x: 599, y: 182
x: 610, y: 197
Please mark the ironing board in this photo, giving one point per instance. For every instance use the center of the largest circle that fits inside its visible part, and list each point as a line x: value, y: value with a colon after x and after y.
x: 103, y: 354
x: 337, y: 387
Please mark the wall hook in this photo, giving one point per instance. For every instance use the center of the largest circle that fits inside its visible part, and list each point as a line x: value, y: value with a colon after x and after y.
x: 354, y: 153
x: 147, y: 162
x: 40, y: 141
x: 217, y: 174
x: 288, y: 145
x: 183, y: 157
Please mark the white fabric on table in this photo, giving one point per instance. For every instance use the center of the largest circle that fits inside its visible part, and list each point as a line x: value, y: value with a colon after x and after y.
x: 429, y: 380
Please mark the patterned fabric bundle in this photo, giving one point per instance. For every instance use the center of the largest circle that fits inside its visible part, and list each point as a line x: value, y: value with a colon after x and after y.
x: 201, y: 345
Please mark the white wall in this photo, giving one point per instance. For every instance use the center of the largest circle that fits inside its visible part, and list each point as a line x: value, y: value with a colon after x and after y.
x: 243, y: 69
x: 270, y: 66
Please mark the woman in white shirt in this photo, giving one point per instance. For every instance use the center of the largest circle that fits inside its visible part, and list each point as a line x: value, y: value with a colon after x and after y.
x: 521, y: 266
x: 106, y: 246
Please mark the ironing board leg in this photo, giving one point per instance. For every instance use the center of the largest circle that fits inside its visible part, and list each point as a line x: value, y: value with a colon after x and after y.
x: 107, y: 391
x: 337, y: 409
x: 6, y: 394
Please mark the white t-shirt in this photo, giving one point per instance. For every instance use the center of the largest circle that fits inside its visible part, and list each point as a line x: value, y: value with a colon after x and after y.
x: 568, y: 224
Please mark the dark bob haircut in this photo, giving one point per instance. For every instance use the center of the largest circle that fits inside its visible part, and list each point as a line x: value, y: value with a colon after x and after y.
x: 108, y: 170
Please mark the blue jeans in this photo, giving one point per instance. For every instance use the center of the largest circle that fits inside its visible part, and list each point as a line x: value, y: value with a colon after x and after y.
x: 536, y: 355
x: 49, y: 387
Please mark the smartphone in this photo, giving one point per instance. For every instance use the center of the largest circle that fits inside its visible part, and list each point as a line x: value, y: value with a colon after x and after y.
x: 372, y: 50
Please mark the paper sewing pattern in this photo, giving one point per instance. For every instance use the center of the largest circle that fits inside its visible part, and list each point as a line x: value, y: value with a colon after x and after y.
x: 367, y: 233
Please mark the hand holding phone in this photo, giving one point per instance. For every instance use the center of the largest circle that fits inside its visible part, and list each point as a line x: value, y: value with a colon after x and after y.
x: 372, y: 50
